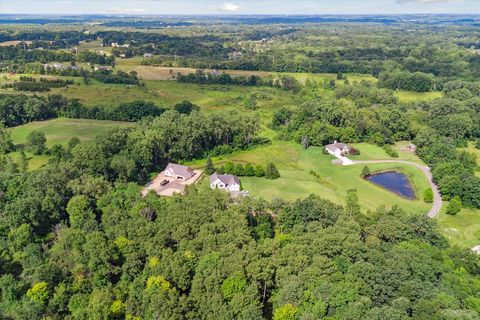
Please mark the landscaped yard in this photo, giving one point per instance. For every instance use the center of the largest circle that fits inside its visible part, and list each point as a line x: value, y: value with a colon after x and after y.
x: 332, y: 182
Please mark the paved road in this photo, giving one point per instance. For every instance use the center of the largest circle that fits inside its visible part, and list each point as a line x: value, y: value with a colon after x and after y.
x: 437, y: 198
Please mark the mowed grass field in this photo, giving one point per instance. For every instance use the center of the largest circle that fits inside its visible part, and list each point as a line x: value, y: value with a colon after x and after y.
x: 60, y: 131
x: 462, y: 229
x: 332, y: 182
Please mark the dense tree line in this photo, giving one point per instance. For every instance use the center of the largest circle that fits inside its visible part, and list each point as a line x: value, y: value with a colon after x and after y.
x: 398, y: 80
x: 19, y: 109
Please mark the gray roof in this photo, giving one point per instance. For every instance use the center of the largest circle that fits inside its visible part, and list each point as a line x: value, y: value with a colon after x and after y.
x: 337, y: 145
x: 227, y: 179
x: 180, y: 170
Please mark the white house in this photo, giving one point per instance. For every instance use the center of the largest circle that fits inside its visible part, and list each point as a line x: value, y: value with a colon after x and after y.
x: 476, y: 249
x: 147, y: 55
x: 339, y: 150
x: 178, y: 171
x: 225, y: 181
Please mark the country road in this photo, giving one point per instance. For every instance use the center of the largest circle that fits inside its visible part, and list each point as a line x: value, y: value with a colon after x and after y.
x: 437, y: 198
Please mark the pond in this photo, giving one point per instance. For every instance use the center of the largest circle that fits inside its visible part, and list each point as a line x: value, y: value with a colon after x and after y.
x: 395, y: 182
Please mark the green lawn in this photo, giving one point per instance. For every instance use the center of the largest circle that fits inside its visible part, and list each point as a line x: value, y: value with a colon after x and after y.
x: 297, y: 182
x: 462, y: 229
x: 61, y: 130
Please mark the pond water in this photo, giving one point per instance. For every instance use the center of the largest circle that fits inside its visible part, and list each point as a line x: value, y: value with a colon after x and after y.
x: 395, y: 182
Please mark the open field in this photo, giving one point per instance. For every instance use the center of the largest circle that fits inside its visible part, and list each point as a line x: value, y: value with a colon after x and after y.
x: 332, y: 183
x: 61, y: 130
x: 462, y: 229
x: 410, y: 96
x: 13, y: 43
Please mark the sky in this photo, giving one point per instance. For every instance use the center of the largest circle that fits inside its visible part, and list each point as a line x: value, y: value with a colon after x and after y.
x: 192, y: 7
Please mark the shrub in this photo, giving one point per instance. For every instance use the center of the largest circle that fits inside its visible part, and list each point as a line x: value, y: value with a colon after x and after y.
x: 454, y: 206
x: 259, y: 171
x: 390, y: 151
x: 354, y: 152
x: 249, y: 170
x: 428, y: 195
x: 366, y: 172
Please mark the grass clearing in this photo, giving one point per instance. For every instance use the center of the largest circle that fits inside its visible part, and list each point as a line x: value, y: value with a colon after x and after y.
x: 462, y: 229
x: 411, y: 96
x: 61, y: 130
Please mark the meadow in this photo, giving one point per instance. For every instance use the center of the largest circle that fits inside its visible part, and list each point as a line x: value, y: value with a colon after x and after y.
x: 60, y: 131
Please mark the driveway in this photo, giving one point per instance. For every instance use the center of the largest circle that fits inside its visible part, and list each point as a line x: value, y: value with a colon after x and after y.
x: 437, y: 198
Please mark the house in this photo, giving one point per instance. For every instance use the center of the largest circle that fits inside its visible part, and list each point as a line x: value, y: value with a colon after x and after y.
x: 147, y: 55
x: 215, y: 72
x: 411, y: 147
x: 114, y: 44
x: 225, y: 181
x: 178, y: 171
x: 338, y: 149
x: 100, y: 68
x: 123, y: 55
x: 476, y: 249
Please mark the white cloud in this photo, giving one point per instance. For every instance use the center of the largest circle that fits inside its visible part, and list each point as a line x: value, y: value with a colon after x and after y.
x: 125, y: 10
x: 228, y: 6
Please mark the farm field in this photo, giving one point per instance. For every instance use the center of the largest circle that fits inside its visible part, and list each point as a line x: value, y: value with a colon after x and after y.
x: 410, y: 96
x: 297, y: 181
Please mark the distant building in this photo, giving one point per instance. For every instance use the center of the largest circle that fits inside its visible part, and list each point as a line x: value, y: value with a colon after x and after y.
x: 227, y: 182
x: 178, y: 171
x: 338, y: 149
x: 411, y: 147
x: 123, y: 55
x: 114, y: 44
x: 100, y: 68
x: 476, y: 249
x: 147, y: 55
x: 215, y: 72
x: 235, y: 55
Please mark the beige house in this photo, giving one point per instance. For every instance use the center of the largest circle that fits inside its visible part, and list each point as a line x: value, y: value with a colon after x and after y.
x: 177, y: 171
x: 227, y: 182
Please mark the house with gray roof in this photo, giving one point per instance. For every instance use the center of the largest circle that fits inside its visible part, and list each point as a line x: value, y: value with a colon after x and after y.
x: 178, y: 171
x: 337, y: 149
x: 227, y: 182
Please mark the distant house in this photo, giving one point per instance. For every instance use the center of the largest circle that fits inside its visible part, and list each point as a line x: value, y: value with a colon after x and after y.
x: 178, y: 171
x: 215, y: 72
x: 99, y: 68
x: 476, y: 249
x: 114, y: 44
x: 147, y: 55
x: 225, y: 181
x: 338, y: 149
x: 411, y: 147
x: 123, y: 55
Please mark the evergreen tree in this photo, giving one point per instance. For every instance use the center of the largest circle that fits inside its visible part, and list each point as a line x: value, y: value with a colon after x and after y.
x: 23, y: 162
x: 352, y: 205
x: 271, y: 172
x: 209, y: 169
x: 366, y: 172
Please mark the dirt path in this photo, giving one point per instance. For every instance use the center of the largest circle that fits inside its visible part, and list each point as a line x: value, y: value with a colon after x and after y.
x: 437, y: 198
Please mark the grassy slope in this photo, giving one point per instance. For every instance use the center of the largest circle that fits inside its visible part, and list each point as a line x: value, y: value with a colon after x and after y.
x: 60, y: 131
